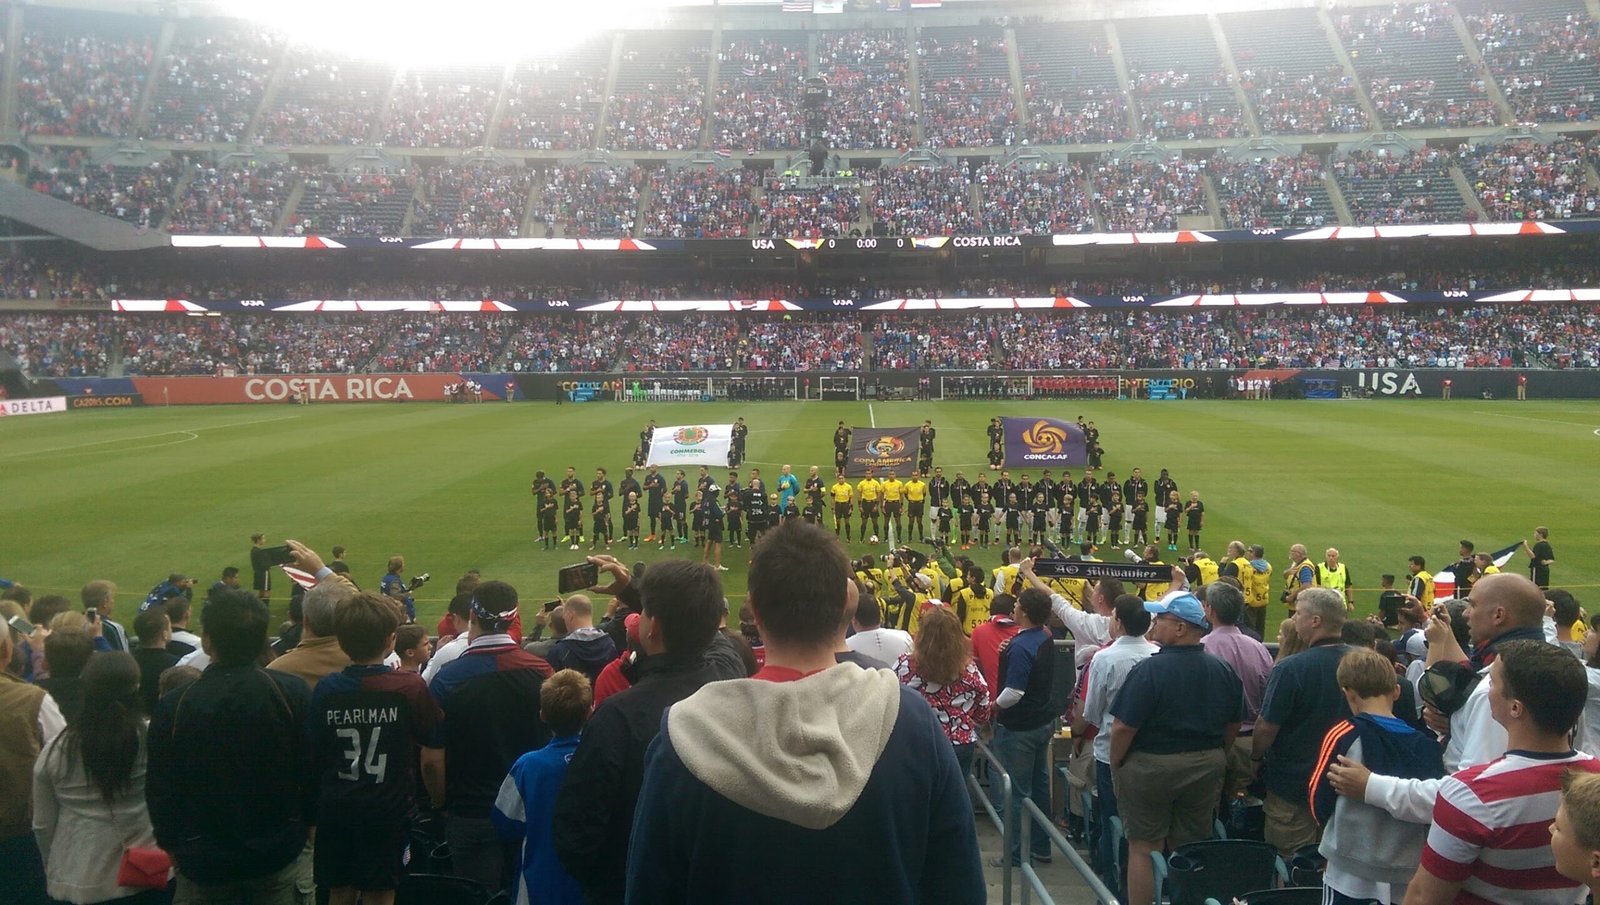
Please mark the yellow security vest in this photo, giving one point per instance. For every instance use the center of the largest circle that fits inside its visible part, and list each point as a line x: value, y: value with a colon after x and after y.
x: 976, y: 606
x: 1208, y: 569
x: 1335, y: 579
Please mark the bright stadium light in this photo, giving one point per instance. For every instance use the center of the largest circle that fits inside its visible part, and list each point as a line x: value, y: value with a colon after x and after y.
x: 417, y: 33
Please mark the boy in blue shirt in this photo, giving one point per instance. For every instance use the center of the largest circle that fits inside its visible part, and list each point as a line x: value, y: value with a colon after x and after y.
x: 525, y: 807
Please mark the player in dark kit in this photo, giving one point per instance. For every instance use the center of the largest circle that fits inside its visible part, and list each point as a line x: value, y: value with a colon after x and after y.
x: 841, y: 445
x: 925, y: 457
x: 572, y: 519
x: 736, y: 443
x: 547, y: 516
x: 1141, y: 519
x: 366, y: 722
x: 603, y: 490
x: 642, y: 453
x: 655, y: 487
x: 680, y: 506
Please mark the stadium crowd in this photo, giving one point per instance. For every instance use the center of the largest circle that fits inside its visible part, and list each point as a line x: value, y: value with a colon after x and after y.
x: 1138, y: 195
x: 138, y: 194
x: 211, y: 82
x: 232, y: 200
x: 1558, y: 336
x: 1416, y: 73
x: 1529, y: 51
x: 588, y: 201
x: 1276, y: 191
x: 870, y: 104
x: 758, y: 95
x: 1213, y: 113
x: 1525, y: 180
x: 73, y: 81
x: 1413, y: 750
x: 1321, y: 103
x: 922, y: 201
x: 700, y: 203
x: 472, y: 202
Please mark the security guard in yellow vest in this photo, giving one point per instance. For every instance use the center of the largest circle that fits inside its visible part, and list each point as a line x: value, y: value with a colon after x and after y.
x: 1332, y: 573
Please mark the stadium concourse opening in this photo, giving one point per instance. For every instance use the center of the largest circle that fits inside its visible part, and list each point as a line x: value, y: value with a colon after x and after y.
x: 1198, y: 263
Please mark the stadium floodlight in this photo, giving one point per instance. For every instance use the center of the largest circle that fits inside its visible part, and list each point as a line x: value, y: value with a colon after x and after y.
x: 414, y: 34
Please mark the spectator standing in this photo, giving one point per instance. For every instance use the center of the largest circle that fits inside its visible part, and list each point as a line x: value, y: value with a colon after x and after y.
x: 318, y: 655
x: 367, y: 721
x: 1302, y: 702
x: 941, y: 667
x: 154, y: 631
x: 851, y: 758
x: 594, y: 811
x: 988, y: 638
x: 1479, y: 846
x: 1025, y: 720
x: 67, y: 652
x: 1371, y: 856
x: 1107, y: 672
x: 1251, y: 662
x: 1503, y: 608
x: 1176, y: 715
x: 490, y: 697
x: 395, y: 585
x: 101, y: 596
x: 524, y: 809
x: 89, y: 791
x: 233, y: 817
x: 584, y: 647
x: 29, y: 720
x: 182, y: 641
x: 1575, y: 833
x: 459, y: 614
x: 883, y: 644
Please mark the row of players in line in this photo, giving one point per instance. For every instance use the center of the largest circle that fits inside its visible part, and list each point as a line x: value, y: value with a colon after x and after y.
x: 1091, y: 509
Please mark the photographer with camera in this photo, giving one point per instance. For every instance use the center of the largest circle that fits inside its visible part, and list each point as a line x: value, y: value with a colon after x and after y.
x: 394, y: 585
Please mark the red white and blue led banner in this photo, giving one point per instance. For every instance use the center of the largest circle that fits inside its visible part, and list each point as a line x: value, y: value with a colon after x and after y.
x: 903, y: 243
x: 764, y: 306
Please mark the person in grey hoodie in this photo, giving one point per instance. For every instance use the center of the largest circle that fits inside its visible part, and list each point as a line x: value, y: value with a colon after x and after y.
x: 584, y: 647
x: 807, y: 759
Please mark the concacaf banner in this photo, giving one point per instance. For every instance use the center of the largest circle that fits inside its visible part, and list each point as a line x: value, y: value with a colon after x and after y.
x: 886, y: 450
x: 691, y: 444
x: 1042, y: 442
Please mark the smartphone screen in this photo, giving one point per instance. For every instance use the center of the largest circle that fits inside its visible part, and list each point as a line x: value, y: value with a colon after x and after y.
x: 20, y: 625
x: 577, y: 578
x: 279, y: 556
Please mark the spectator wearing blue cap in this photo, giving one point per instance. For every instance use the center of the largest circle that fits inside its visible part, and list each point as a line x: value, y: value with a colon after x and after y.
x: 1176, y: 715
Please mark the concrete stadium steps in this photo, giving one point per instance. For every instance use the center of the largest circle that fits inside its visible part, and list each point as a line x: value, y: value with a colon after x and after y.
x: 555, y: 102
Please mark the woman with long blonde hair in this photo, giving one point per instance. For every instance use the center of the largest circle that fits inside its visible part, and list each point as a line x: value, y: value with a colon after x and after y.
x: 941, y: 668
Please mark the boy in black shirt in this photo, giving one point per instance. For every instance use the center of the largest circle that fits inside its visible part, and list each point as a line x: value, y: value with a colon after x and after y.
x: 572, y: 519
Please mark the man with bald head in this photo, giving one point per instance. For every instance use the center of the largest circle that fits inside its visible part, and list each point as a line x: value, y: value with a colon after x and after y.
x: 1501, y: 608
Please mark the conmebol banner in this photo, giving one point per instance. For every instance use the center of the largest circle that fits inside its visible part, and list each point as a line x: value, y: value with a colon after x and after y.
x: 46, y: 405
x: 1042, y: 442
x: 691, y: 444
x: 886, y: 450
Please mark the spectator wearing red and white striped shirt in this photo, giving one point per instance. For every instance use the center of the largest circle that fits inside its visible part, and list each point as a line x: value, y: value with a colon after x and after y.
x: 1490, y: 837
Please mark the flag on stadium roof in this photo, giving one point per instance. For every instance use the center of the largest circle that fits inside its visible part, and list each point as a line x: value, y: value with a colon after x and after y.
x: 797, y: 6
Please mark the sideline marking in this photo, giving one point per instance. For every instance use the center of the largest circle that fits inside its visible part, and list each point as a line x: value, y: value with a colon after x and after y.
x: 1531, y: 418
x: 193, y: 435
x: 871, y: 417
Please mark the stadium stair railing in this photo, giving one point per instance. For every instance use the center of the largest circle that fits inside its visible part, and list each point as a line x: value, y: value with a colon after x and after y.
x: 1001, y: 818
x: 1034, y: 821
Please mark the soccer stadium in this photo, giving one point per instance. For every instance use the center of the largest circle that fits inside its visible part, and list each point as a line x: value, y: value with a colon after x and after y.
x: 519, y: 380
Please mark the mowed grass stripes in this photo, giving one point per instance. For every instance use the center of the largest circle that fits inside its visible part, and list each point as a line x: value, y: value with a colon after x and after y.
x: 131, y: 495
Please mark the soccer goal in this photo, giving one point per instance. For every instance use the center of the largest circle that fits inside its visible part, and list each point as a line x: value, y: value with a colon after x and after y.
x: 839, y: 388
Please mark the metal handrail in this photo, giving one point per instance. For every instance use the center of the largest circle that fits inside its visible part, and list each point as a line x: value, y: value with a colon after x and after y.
x: 1030, y: 877
x: 1002, y: 818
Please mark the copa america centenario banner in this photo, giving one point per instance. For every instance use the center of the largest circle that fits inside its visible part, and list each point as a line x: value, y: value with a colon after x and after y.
x: 886, y: 450
x: 691, y: 444
x: 1042, y: 442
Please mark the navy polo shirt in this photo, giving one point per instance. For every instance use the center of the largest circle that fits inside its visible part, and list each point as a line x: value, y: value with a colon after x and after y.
x: 1028, y: 665
x: 1304, y: 701
x: 1180, y: 699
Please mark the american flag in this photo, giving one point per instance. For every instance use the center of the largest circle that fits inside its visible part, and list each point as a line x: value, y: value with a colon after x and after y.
x: 926, y: 4
x: 797, y: 6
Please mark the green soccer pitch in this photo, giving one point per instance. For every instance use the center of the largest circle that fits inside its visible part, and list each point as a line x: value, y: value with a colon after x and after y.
x: 133, y: 494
